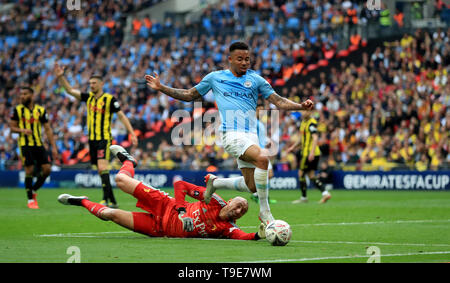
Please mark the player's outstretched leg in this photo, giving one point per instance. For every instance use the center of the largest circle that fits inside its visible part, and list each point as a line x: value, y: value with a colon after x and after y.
x: 125, y: 178
x: 121, y: 217
x: 214, y: 183
x: 122, y: 154
x: 262, y: 189
x: 67, y: 199
x: 210, y: 189
x: 94, y: 208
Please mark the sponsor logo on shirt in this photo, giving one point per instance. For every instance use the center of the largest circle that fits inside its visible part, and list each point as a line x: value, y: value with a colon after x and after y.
x: 200, y: 226
x: 238, y: 94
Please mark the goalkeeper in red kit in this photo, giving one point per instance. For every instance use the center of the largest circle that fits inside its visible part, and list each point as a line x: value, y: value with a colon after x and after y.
x: 166, y: 216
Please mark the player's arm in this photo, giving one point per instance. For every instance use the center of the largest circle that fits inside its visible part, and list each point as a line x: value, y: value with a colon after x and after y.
x: 286, y: 104
x: 51, y: 139
x: 126, y: 122
x: 59, y: 73
x: 182, y: 188
x: 294, y: 146
x: 180, y: 94
x: 315, y: 140
x: 14, y: 126
x: 238, y: 234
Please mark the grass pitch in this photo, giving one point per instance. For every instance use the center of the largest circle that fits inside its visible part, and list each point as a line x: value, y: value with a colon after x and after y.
x: 403, y: 226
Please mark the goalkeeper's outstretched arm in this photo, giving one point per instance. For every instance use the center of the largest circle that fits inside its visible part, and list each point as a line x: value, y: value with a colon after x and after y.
x: 238, y: 234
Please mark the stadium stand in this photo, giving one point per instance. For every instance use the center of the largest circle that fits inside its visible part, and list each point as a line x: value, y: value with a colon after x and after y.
x: 385, y: 106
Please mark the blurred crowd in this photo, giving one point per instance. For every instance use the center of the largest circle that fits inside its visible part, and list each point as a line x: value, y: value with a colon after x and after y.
x: 393, y: 109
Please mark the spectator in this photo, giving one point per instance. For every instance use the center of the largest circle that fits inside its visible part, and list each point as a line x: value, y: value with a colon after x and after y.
x: 395, y: 100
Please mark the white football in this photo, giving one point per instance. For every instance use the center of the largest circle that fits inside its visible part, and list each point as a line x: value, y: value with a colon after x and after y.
x: 278, y: 233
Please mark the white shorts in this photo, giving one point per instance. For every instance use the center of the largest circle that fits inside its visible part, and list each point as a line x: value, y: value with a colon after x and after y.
x: 236, y: 143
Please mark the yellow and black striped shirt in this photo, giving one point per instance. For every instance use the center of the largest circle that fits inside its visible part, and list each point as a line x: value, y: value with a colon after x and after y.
x: 307, y: 129
x: 99, y: 115
x: 31, y: 119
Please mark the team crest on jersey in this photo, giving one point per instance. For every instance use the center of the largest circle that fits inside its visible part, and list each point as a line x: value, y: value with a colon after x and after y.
x: 248, y: 84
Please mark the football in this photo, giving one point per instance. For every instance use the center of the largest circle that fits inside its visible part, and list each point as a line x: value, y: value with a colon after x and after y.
x: 278, y: 233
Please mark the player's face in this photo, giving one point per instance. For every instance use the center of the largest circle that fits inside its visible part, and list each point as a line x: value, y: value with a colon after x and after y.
x: 236, y: 208
x: 239, y: 61
x: 25, y: 96
x: 96, y: 85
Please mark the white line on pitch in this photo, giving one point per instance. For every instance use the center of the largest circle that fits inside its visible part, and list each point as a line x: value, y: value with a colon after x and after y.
x: 342, y: 257
x: 99, y: 235
x: 365, y: 223
x: 86, y: 234
x: 371, y: 243
x: 292, y: 225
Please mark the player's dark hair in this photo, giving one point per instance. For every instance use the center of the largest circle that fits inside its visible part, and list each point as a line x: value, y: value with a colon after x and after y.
x: 27, y: 88
x: 238, y: 45
x: 97, y: 76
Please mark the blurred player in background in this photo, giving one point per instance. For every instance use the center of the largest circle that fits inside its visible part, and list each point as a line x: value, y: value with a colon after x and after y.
x: 27, y: 120
x: 309, y: 157
x: 236, y: 92
x: 167, y: 216
x: 100, y: 108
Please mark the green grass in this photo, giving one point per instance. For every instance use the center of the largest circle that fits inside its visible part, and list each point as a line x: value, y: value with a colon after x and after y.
x: 407, y: 226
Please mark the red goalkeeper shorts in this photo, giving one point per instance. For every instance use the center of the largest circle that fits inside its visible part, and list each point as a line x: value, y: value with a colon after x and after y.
x: 157, y: 204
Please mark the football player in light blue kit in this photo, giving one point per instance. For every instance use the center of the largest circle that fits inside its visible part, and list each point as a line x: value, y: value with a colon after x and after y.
x: 236, y: 93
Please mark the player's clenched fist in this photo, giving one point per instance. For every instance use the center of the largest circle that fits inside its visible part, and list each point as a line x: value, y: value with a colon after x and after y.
x: 308, y: 104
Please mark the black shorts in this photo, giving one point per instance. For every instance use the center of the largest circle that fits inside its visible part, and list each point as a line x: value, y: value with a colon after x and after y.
x: 306, y: 165
x: 34, y: 155
x: 99, y: 150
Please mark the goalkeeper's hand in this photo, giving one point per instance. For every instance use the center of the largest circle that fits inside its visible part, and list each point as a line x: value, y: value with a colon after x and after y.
x: 261, y: 231
x: 188, y: 222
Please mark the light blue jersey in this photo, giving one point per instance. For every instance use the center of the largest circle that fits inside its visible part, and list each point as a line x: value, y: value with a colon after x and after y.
x: 236, y: 98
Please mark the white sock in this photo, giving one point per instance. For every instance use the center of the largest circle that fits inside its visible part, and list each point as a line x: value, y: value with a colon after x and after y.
x: 262, y: 188
x: 325, y: 193
x: 236, y: 183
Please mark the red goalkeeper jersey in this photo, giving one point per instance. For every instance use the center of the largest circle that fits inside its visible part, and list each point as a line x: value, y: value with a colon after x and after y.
x: 206, y: 216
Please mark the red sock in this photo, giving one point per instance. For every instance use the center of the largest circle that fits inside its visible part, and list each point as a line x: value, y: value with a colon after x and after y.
x: 127, y: 169
x: 94, y: 208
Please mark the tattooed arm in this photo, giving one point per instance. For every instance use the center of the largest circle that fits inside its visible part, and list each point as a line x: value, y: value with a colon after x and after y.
x: 286, y: 104
x: 180, y: 94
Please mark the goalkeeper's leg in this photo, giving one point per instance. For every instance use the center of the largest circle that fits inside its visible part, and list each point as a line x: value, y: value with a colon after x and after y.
x: 124, y: 179
x: 118, y: 216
